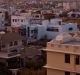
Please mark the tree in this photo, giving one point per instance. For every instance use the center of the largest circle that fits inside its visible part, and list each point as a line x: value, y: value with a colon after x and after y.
x: 4, y: 70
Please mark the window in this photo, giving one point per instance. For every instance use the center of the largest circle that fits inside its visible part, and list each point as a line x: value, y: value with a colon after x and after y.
x: 59, y: 22
x: 37, y: 16
x: 67, y: 73
x: 11, y: 43
x: 13, y: 20
x: 70, y: 29
x: 32, y: 31
x: 73, y: 15
x: 77, y: 73
x: 14, y: 63
x: 22, y: 20
x: 77, y: 59
x: 67, y: 58
x: 14, y: 50
x: 15, y: 43
x: 55, y: 29
x: 28, y: 30
x: 24, y: 42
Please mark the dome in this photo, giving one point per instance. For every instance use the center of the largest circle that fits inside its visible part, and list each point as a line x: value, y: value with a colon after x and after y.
x: 59, y: 37
x: 64, y: 37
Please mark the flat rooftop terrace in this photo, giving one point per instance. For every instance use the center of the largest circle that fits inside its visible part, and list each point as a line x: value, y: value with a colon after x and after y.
x: 72, y: 43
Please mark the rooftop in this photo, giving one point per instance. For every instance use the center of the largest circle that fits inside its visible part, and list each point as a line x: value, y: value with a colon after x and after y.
x: 68, y: 39
x: 76, y: 43
x: 9, y: 37
x: 32, y: 51
x: 5, y: 55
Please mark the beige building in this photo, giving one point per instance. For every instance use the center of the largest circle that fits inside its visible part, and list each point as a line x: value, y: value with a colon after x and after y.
x: 63, y: 55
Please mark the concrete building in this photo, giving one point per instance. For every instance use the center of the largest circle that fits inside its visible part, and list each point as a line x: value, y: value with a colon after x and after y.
x: 4, y: 18
x: 56, y: 26
x: 18, y: 20
x: 35, y: 32
x: 49, y: 29
x: 10, y: 50
x: 63, y: 55
x: 36, y: 17
x: 2, y: 21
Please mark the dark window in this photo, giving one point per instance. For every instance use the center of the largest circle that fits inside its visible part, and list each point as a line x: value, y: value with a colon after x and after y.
x: 77, y: 73
x: 70, y: 29
x: 15, y: 63
x: 55, y: 29
x: 73, y: 15
x: 15, y: 43
x: 11, y: 43
x: 67, y: 58
x: 67, y: 73
x: 32, y: 31
x: 22, y: 20
x: 77, y: 59
x: 59, y: 22
x: 37, y: 16
x: 14, y: 50
x: 28, y: 30
x: 15, y: 20
x: 24, y: 42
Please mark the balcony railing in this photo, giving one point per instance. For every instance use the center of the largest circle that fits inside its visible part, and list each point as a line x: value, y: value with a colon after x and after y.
x: 13, y: 53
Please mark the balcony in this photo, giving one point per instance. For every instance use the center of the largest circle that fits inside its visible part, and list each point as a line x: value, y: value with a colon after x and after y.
x: 12, y: 54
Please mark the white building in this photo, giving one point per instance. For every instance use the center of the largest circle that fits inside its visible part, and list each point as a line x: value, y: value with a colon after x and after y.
x: 56, y: 26
x: 74, y: 14
x: 2, y: 18
x: 49, y: 29
x: 35, y: 32
x: 19, y: 20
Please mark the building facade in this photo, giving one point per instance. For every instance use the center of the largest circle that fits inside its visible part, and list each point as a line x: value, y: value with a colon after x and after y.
x: 56, y: 26
x: 4, y: 19
x: 18, y: 20
x: 11, y: 48
x: 63, y: 56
